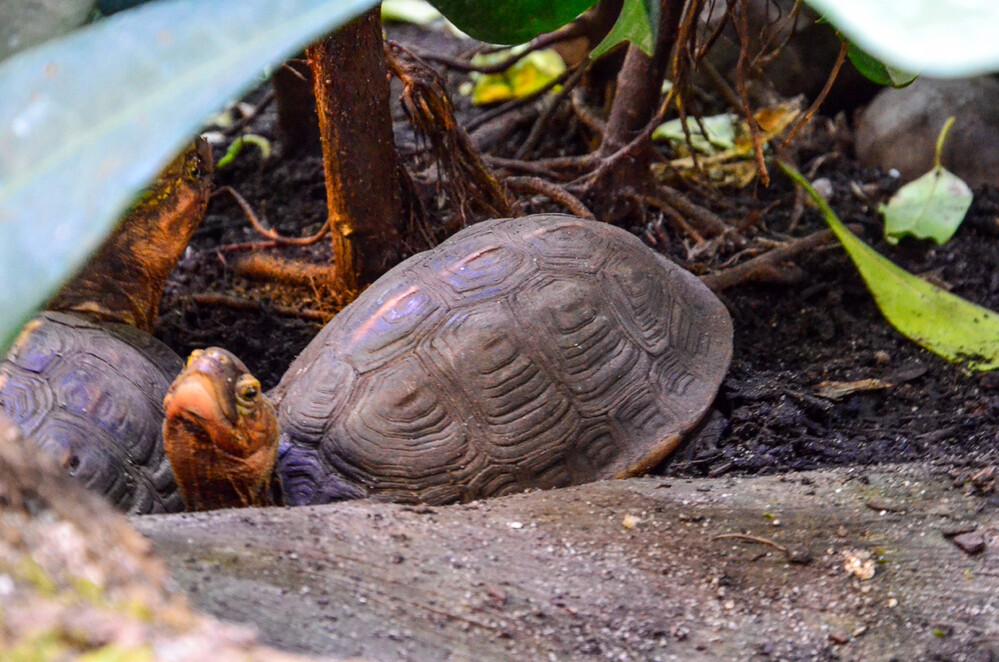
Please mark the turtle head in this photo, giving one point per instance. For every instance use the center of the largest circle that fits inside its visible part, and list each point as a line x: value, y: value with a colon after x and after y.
x: 220, y: 433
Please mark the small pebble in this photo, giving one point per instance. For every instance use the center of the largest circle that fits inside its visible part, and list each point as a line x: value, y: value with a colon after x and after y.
x: 970, y: 543
x: 839, y: 638
x: 630, y: 521
x: 823, y: 187
x: 957, y: 529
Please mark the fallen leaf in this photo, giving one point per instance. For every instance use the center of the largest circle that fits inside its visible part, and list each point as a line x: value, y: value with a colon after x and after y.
x: 951, y: 327
x: 931, y: 207
x: 832, y: 390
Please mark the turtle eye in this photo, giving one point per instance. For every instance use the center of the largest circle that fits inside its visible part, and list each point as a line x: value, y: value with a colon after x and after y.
x: 247, y: 389
x: 193, y: 357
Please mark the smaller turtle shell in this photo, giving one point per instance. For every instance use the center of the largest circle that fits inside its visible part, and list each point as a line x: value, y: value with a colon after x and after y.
x: 91, y: 395
x: 542, y: 351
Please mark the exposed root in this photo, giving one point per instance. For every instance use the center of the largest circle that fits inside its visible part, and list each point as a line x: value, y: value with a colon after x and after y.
x: 586, y: 115
x: 675, y: 218
x: 268, y: 232
x: 539, y: 124
x: 519, y: 165
x: 281, y: 270
x: 553, y: 192
x: 463, y: 173
x: 706, y: 222
x: 767, y: 267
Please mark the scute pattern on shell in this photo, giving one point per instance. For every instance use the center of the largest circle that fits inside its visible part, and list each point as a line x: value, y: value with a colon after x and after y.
x: 542, y: 351
x: 90, y: 394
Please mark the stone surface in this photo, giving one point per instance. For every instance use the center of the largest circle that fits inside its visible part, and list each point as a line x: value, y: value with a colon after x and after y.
x: 900, y: 128
x: 76, y: 579
x: 636, y: 569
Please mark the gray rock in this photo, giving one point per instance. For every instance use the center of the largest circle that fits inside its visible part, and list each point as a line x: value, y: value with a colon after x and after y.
x: 900, y: 128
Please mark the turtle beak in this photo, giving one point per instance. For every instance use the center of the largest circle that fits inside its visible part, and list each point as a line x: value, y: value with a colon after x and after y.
x: 205, y: 389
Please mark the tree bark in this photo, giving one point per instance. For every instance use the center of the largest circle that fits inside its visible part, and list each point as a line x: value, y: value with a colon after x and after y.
x: 636, y: 98
x: 355, y: 126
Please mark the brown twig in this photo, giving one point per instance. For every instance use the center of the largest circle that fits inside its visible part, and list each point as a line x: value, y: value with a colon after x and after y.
x: 707, y: 223
x: 223, y: 300
x: 749, y: 538
x: 504, y: 108
x: 268, y: 232
x: 522, y: 166
x: 807, y: 117
x: 295, y: 272
x: 552, y: 191
x: 538, y: 43
x: 246, y: 246
x: 238, y: 125
x: 742, y: 29
x: 586, y: 114
x: 542, y: 121
x: 674, y: 216
x: 764, y: 267
x: 720, y: 84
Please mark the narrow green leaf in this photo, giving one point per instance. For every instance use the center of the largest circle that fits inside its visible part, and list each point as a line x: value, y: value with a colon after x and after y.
x: 634, y: 25
x: 945, y: 324
x: 510, y: 21
x: 933, y: 37
x: 237, y: 146
x: 931, y: 207
x: 87, y: 120
x: 877, y: 71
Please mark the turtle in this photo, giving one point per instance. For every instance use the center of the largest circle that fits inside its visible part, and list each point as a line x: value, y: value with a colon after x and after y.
x: 85, y: 379
x: 533, y: 352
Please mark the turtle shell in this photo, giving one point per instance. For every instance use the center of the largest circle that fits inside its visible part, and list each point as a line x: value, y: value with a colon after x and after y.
x: 91, y: 395
x: 541, y: 351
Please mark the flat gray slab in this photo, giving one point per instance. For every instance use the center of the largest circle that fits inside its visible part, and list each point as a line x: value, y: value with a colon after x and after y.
x: 620, y: 570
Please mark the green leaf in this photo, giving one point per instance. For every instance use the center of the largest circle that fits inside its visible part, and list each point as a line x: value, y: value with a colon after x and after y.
x: 875, y: 70
x: 525, y: 77
x: 237, y: 146
x: 719, y: 132
x: 417, y: 12
x: 931, y: 207
x: 933, y: 37
x: 634, y: 25
x: 87, y: 120
x: 945, y: 324
x: 510, y: 21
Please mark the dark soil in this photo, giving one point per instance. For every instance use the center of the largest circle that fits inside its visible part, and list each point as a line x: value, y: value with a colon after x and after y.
x: 788, y: 337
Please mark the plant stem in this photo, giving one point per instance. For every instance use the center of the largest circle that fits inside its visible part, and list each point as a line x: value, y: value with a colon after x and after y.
x: 941, y: 139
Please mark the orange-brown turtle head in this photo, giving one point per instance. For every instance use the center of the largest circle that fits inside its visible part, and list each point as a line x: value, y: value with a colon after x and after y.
x: 221, y: 434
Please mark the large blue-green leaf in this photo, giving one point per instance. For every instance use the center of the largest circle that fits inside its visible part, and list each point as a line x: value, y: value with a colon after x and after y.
x: 932, y: 37
x: 87, y: 120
